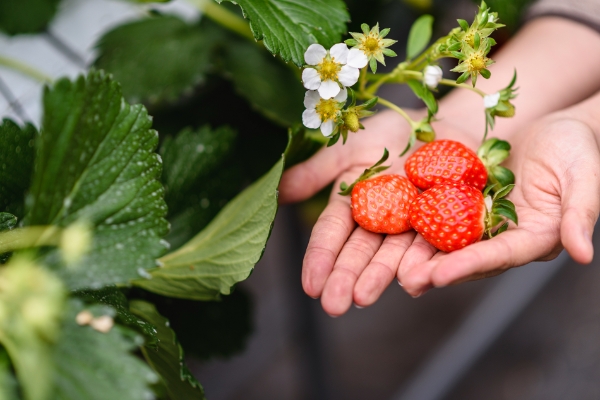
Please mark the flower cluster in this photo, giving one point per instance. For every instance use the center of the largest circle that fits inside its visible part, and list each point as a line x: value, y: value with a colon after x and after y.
x: 328, y: 73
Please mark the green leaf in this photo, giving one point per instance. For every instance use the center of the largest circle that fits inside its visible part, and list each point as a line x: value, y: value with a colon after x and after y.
x: 96, y: 162
x: 113, y: 297
x: 485, y: 73
x: 8, y: 383
x: 508, y: 213
x: 288, y: 27
x: 424, y: 94
x: 157, y: 59
x: 502, y: 175
x: 302, y: 144
x: 411, y: 142
x: 7, y: 222
x: 463, y: 77
x: 225, y: 252
x: 463, y: 24
x: 26, y: 16
x: 167, y: 359
x: 92, y: 365
x: 189, y: 158
x: 419, y: 36
x: 16, y: 164
x: 269, y: 86
x: 202, y: 204
x: 504, y: 191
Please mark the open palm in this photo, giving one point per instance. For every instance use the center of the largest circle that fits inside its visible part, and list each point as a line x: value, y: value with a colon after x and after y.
x: 557, y: 196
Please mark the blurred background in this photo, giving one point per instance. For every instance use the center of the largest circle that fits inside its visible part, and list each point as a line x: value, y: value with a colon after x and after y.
x: 531, y: 333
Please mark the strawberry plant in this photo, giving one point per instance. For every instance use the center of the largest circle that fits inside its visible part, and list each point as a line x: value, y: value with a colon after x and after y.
x: 149, y: 189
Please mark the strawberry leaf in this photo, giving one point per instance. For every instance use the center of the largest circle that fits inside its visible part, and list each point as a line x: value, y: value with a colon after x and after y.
x: 26, y: 16
x: 424, y: 94
x: 419, y: 36
x: 225, y: 252
x: 96, y: 162
x: 157, y: 59
x: 16, y: 160
x: 167, y: 359
x: 302, y: 144
x: 269, y: 86
x: 288, y: 27
x: 505, y: 212
x: 503, y: 192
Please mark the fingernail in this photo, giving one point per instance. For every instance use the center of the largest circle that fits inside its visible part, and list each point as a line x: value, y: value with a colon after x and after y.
x: 357, y: 306
x: 421, y: 294
x: 399, y: 283
x: 314, y: 298
x: 333, y: 316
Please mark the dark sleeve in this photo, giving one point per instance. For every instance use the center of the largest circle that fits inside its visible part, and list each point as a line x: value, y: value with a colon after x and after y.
x: 586, y: 12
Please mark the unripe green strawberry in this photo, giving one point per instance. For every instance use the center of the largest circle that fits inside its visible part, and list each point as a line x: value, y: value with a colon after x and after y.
x: 382, y: 204
x: 445, y: 161
x: 449, y: 216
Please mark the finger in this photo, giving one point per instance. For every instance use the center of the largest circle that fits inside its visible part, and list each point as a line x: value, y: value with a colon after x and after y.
x: 382, y: 269
x: 512, y: 248
x: 329, y: 234
x: 307, y: 178
x: 356, y: 254
x: 419, y: 252
x: 580, y: 206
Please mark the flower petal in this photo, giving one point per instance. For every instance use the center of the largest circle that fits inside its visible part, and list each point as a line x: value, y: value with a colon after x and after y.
x: 491, y: 100
x: 311, y: 99
x: 357, y: 58
x: 327, y: 127
x: 339, y: 52
x: 341, y: 96
x: 311, y: 78
x: 432, y: 75
x: 329, y: 88
x: 311, y: 119
x: 348, y: 75
x: 314, y: 54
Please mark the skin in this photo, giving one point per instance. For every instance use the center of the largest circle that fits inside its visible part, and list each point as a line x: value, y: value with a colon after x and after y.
x: 345, y: 264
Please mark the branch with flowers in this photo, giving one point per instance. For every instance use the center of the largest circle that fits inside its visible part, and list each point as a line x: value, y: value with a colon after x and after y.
x: 338, y: 77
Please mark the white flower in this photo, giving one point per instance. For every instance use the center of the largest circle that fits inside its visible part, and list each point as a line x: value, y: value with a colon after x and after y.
x: 432, y: 75
x: 323, y: 113
x: 491, y: 100
x: 330, y: 68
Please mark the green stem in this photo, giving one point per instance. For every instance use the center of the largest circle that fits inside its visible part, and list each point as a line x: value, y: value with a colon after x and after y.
x: 25, y: 69
x: 450, y: 82
x: 24, y: 238
x: 224, y: 17
x: 394, y: 107
x: 362, y: 80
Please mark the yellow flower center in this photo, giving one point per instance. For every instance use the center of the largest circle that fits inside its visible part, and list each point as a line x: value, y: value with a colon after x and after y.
x: 476, y: 62
x: 328, y: 69
x: 327, y: 109
x: 470, y: 38
x: 370, y: 45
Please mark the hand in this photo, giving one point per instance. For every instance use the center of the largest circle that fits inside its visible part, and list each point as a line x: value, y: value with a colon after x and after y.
x: 557, y: 197
x: 344, y: 263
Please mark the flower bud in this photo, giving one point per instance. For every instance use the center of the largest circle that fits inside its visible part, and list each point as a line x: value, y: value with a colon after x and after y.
x: 351, y: 121
x: 76, y: 240
x: 432, y: 75
x: 491, y: 100
x: 506, y: 111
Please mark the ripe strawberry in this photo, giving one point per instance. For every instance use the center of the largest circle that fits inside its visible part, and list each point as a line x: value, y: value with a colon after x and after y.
x: 381, y: 204
x: 449, y: 216
x: 445, y: 161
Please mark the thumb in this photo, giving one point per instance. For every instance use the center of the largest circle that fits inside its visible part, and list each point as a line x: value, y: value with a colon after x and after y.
x: 580, y: 207
x: 307, y: 178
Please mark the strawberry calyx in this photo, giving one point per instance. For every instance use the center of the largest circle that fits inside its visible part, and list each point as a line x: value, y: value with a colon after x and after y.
x: 499, y: 210
x: 492, y: 153
x: 346, y: 190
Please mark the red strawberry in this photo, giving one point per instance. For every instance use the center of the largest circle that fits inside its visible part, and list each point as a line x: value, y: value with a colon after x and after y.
x: 445, y: 161
x: 449, y: 216
x: 381, y: 204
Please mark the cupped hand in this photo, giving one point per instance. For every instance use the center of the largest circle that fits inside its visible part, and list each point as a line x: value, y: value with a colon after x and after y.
x: 345, y: 263
x: 557, y: 198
